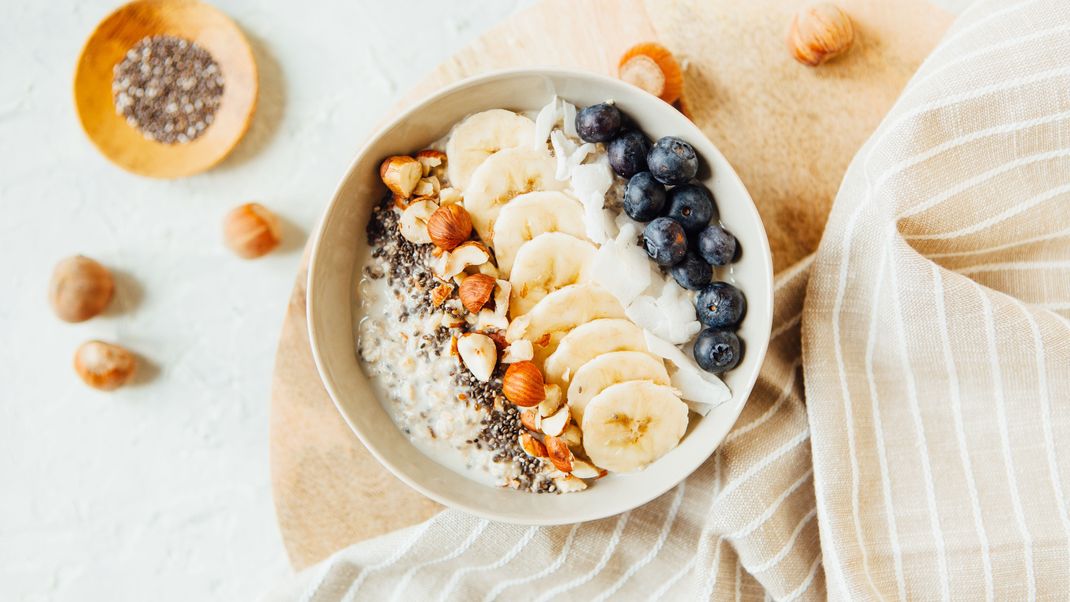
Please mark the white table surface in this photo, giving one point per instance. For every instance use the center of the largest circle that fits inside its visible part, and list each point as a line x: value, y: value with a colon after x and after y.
x: 161, y: 491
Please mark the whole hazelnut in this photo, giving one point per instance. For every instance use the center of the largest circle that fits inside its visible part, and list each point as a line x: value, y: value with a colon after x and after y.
x: 449, y: 226
x: 819, y: 33
x: 523, y: 384
x: 80, y: 288
x: 104, y: 366
x: 475, y: 291
x: 251, y: 231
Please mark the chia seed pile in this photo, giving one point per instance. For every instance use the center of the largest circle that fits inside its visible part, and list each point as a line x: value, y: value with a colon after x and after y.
x: 405, y: 267
x: 168, y: 88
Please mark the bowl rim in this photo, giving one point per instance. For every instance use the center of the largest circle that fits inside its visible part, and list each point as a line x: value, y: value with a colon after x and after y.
x: 490, y: 513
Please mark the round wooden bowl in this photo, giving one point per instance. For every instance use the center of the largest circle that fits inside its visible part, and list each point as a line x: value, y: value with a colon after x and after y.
x: 126, y: 146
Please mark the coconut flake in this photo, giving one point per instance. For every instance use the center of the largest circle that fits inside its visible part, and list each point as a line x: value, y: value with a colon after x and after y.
x: 670, y: 315
x: 591, y: 182
x: 568, y: 118
x: 544, y: 122
x: 620, y: 266
x: 693, y: 383
x: 563, y: 150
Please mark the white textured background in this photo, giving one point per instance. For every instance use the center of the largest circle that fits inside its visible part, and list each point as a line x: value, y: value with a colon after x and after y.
x: 161, y: 491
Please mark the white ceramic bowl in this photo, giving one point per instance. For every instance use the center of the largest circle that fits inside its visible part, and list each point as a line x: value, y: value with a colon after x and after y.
x: 340, y: 242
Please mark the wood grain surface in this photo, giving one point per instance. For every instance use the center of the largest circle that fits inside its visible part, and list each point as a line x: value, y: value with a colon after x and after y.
x: 790, y: 132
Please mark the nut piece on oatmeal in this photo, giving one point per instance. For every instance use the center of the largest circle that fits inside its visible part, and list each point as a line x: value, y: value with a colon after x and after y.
x: 499, y: 316
x: 531, y: 420
x: 401, y: 174
x: 556, y: 423
x: 572, y: 436
x: 532, y: 446
x: 586, y: 470
x: 430, y: 159
x: 555, y: 398
x: 449, y: 196
x: 440, y: 293
x: 428, y: 186
x: 450, y: 263
x: 569, y: 484
x: 523, y: 384
x: 475, y: 291
x: 478, y: 354
x: 413, y: 222
x: 559, y: 453
x: 449, y: 226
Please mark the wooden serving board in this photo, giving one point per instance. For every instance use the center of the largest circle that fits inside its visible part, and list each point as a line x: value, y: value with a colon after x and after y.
x: 789, y: 131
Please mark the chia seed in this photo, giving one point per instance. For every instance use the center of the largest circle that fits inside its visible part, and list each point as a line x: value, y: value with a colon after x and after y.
x: 406, y: 268
x: 168, y: 88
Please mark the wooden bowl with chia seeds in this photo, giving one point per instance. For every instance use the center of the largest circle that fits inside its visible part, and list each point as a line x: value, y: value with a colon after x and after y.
x: 166, y: 88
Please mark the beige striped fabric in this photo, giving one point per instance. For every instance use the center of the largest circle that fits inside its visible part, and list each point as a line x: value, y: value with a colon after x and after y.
x: 927, y: 454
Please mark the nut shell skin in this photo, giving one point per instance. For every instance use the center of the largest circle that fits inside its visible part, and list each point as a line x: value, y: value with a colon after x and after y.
x: 251, y: 230
x: 104, y: 366
x: 80, y: 288
x: 523, y: 384
x: 475, y: 291
x: 819, y: 33
x: 400, y: 173
x: 559, y: 453
x: 449, y: 226
x: 636, y: 62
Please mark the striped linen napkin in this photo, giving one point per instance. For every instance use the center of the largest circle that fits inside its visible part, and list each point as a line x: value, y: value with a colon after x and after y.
x: 909, y: 437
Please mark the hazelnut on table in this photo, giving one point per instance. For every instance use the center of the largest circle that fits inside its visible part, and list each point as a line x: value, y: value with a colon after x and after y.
x: 251, y: 230
x: 80, y: 288
x: 819, y: 33
x: 103, y: 365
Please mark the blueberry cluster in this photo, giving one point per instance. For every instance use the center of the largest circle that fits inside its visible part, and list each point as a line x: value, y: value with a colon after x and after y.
x: 683, y: 234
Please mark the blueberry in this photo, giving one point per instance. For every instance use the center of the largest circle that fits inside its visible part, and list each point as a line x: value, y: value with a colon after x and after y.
x: 671, y: 160
x: 598, y: 123
x: 644, y: 197
x: 665, y: 241
x: 627, y: 124
x: 718, y: 350
x: 692, y: 206
x: 692, y: 273
x: 627, y: 153
x: 716, y: 245
x: 720, y: 305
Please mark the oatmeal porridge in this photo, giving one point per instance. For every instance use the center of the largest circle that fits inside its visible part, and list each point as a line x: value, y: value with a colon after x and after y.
x: 547, y: 297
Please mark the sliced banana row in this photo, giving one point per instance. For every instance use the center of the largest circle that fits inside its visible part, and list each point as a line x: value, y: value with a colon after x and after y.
x: 617, y: 391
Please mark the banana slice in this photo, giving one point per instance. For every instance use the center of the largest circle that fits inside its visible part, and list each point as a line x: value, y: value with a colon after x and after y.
x: 480, y: 136
x: 588, y: 341
x: 504, y: 176
x: 631, y: 424
x: 530, y: 215
x: 549, y: 261
x: 560, y: 312
x: 609, y: 369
